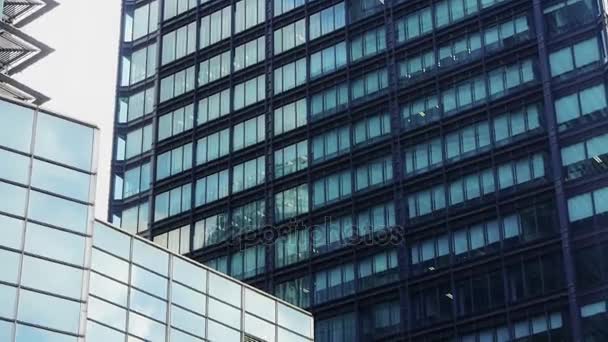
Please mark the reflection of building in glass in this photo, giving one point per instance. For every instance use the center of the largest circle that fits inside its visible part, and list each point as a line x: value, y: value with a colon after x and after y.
x: 474, y: 130
x: 64, y: 277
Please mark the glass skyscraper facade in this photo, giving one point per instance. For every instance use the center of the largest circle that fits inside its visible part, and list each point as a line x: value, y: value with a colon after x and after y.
x: 406, y: 170
x: 47, y: 186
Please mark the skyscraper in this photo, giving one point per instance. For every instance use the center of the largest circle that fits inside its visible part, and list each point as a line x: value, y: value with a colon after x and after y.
x: 407, y: 170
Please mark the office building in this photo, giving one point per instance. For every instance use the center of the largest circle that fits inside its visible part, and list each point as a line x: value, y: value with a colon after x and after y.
x: 406, y: 170
x: 66, y: 277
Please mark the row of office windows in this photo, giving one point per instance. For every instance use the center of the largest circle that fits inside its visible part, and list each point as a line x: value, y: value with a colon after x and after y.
x: 556, y: 14
x: 336, y: 98
x: 381, y: 317
x: 252, y: 173
x: 219, y: 66
x: 444, y: 12
x: 287, y: 160
x: 332, y: 234
x: 342, y: 280
x: 248, y: 13
x: 465, y: 48
x: 294, y: 115
x: 477, y: 185
x: 471, y: 140
x: 565, y: 15
x: 294, y: 202
x: 290, y: 248
x: 496, y: 83
x: 523, y: 280
x: 339, y: 281
x: 357, y: 9
x: 482, y: 238
x: 220, y: 227
x: 319, y: 24
x: 244, y: 264
x: 218, y: 26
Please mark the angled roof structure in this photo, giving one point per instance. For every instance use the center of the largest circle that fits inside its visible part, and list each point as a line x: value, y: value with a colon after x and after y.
x: 19, y: 50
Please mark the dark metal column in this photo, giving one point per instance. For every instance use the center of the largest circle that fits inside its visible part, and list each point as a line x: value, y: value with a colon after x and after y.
x: 556, y: 167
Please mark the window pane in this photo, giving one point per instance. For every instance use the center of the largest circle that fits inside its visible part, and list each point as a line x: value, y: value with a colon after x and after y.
x: 51, y: 277
x: 64, y: 141
x: 27, y: 334
x: 12, y: 200
x: 64, y: 316
x: 59, y: 212
x: 16, y: 125
x: 14, y: 166
x: 60, y: 180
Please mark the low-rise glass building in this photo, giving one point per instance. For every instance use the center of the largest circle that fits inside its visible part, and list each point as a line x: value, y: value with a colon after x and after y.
x: 66, y: 278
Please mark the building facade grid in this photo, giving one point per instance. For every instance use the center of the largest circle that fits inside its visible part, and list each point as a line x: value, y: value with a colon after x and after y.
x: 384, y: 164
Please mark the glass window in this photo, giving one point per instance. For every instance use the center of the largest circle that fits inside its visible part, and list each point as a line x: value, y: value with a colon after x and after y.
x: 11, y: 263
x: 15, y: 167
x: 17, y: 124
x: 65, y: 315
x: 250, y: 53
x: 107, y: 313
x: 290, y: 116
x: 51, y: 277
x: 60, y: 180
x: 290, y: 36
x: 213, y: 106
x: 148, y: 305
x: 189, y: 274
x: 64, y: 141
x: 146, y: 328
x: 26, y: 333
x: 294, y: 320
x: 12, y: 232
x: 148, y: 281
x: 187, y: 321
x: 108, y: 289
x: 55, y: 244
x: 224, y: 289
x: 224, y: 313
x: 13, y: 199
x: 59, y: 212
x: 112, y: 240
x: 110, y: 266
x: 218, y: 332
x: 178, y: 43
x: 99, y: 333
x: 215, y: 27
x: 150, y: 257
x: 580, y: 207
